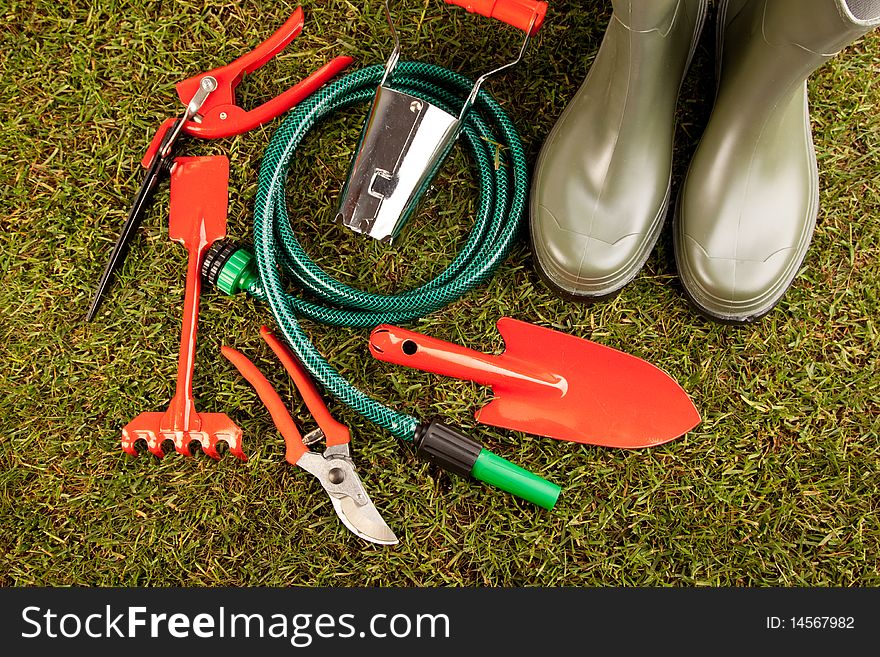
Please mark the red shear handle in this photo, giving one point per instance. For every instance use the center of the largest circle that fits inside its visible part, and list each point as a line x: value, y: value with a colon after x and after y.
x: 230, y: 75
x: 219, y: 116
x: 227, y: 120
x: 519, y: 13
x: 286, y: 427
x: 220, y: 120
x: 271, y: 46
x: 335, y: 432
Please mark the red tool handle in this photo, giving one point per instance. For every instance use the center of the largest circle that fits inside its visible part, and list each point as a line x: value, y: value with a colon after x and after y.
x: 230, y: 75
x: 220, y: 117
x: 519, y: 13
x: 393, y: 344
x: 277, y: 42
x: 196, y: 218
x: 335, y: 432
x: 226, y: 120
x: 280, y: 416
x: 181, y: 414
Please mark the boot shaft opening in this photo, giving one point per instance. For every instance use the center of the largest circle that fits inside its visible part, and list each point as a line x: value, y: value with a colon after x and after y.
x: 866, y: 11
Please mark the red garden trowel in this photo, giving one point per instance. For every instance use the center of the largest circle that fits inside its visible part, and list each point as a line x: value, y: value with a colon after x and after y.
x: 197, y: 219
x: 553, y: 384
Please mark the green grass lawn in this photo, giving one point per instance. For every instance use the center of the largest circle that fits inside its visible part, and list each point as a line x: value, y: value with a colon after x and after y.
x: 777, y: 486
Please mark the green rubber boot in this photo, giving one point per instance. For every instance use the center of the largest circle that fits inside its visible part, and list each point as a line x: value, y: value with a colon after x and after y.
x: 748, y: 205
x: 601, y: 186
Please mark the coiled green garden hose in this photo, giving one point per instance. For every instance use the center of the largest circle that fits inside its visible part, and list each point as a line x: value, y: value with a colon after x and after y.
x: 279, y: 256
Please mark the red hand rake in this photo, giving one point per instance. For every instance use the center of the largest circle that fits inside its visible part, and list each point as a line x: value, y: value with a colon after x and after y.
x: 197, y: 219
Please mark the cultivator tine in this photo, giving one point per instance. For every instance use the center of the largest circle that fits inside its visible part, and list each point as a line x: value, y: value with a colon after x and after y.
x: 237, y: 451
x: 209, y: 447
x: 143, y: 427
x: 219, y: 428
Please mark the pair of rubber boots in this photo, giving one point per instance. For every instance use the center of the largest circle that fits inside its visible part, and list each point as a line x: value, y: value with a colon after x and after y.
x: 746, y: 211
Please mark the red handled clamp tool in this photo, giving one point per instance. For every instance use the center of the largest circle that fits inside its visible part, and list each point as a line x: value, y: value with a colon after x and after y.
x: 334, y: 468
x: 211, y: 113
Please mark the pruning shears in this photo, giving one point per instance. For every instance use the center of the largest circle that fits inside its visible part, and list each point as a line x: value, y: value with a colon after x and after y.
x: 334, y: 468
x: 211, y: 113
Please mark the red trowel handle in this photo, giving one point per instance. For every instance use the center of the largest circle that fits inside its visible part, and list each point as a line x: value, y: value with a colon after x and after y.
x: 393, y: 344
x: 519, y: 13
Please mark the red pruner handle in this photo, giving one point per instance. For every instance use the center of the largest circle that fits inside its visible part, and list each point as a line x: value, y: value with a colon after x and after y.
x: 226, y: 120
x: 221, y: 117
x: 280, y: 416
x: 519, y: 13
x: 335, y: 432
x: 277, y: 42
x: 219, y: 121
x: 230, y: 75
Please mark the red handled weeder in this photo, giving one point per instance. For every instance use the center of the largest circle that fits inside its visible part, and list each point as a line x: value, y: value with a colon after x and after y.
x: 197, y: 219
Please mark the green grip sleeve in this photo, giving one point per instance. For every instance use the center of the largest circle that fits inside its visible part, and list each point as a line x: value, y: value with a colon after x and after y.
x: 503, y: 474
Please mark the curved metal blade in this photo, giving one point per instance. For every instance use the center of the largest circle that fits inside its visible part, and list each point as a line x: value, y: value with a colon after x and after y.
x: 364, y: 521
x: 335, y: 470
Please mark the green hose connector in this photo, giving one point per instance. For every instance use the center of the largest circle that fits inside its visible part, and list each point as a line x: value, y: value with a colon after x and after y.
x: 239, y: 273
x: 455, y: 452
x: 230, y: 269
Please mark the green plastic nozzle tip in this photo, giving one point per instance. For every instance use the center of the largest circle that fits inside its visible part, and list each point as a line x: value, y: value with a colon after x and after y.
x: 503, y: 474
